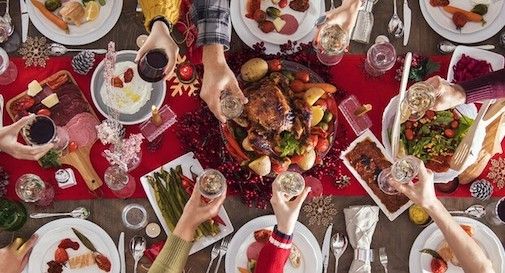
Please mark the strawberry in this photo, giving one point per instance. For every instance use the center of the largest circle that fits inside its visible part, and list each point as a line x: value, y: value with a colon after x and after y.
x: 128, y: 75
x: 438, y: 266
x: 60, y: 255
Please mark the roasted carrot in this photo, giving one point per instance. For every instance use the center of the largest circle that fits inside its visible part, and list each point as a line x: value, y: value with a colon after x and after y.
x: 51, y: 16
x: 328, y: 88
x: 471, y: 16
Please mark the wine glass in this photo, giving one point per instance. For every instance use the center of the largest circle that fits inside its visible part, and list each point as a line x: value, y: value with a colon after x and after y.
x: 43, y: 130
x: 402, y: 171
x: 119, y: 182
x: 9, y: 39
x: 211, y: 183
x: 418, y: 100
x: 291, y: 183
x: 30, y: 188
x: 330, y: 44
x: 380, y: 58
x: 8, y: 70
x: 231, y: 105
x: 152, y: 66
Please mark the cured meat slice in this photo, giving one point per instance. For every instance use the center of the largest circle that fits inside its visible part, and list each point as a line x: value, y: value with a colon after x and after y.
x: 82, y: 129
x: 291, y: 25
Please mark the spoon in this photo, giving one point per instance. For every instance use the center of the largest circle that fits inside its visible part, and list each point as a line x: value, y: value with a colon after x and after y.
x: 137, y: 247
x: 79, y: 212
x: 448, y: 47
x: 338, y: 245
x: 395, y: 25
x: 59, y: 49
x: 477, y: 211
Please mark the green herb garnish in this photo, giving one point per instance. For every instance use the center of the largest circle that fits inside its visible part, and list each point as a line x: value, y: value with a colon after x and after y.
x: 51, y: 159
x: 289, y: 144
x: 85, y: 241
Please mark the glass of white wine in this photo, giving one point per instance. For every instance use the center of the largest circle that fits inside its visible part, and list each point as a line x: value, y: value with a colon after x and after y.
x: 330, y: 44
x: 290, y: 183
x: 402, y: 171
x: 231, y: 105
x: 30, y: 188
x: 211, y: 183
x: 419, y: 99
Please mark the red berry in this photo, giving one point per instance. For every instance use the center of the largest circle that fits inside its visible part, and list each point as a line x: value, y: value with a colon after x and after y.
x: 438, y: 266
x: 60, y: 255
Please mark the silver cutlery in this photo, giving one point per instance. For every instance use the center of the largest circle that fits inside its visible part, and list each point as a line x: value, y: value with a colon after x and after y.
x: 120, y: 248
x: 383, y: 256
x: 213, y: 255
x: 477, y: 211
x: 325, y: 248
x: 447, y: 47
x: 338, y: 245
x: 1, y: 110
x: 332, y: 4
x: 395, y: 25
x: 25, y: 19
x: 79, y: 212
x: 407, y: 18
x: 222, y: 251
x: 59, y: 49
x: 395, y: 136
x: 137, y: 248
x: 7, y: 16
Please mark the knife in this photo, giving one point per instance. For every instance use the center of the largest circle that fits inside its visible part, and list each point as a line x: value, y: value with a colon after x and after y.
x: 325, y: 248
x: 395, y: 135
x: 120, y: 248
x: 25, y: 19
x: 407, y: 18
x: 1, y: 111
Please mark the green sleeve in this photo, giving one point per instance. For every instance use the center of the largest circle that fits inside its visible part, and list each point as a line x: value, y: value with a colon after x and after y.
x: 172, y: 257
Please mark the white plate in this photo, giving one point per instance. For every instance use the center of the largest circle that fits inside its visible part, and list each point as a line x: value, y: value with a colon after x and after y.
x: 78, y: 35
x: 157, y: 94
x: 444, y: 19
x: 486, y: 32
x: 496, y: 60
x: 249, y: 39
x: 188, y: 162
x: 304, y: 239
x: 391, y: 215
x: 431, y: 237
x: 306, y: 21
x: 51, y: 234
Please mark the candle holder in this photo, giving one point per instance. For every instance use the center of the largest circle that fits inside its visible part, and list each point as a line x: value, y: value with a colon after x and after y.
x: 359, y: 122
x: 150, y: 128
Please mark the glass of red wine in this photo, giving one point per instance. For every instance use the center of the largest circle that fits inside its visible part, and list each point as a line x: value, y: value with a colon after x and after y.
x: 152, y: 66
x: 42, y: 131
x: 495, y: 212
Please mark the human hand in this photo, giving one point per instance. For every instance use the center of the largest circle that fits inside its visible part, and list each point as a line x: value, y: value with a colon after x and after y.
x: 218, y: 77
x: 422, y: 192
x: 286, y: 211
x: 9, y: 142
x: 196, y: 212
x: 14, y: 257
x: 160, y: 38
x: 345, y: 16
x: 447, y: 95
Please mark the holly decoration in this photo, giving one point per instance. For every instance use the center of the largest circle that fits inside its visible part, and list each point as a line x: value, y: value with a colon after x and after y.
x: 4, y: 181
x: 421, y: 67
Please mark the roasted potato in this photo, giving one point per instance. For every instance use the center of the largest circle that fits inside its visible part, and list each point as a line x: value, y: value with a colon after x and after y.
x: 254, y: 69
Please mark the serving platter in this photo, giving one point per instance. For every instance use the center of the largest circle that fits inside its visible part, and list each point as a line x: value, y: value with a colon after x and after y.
x: 302, y: 237
x: 78, y: 35
x: 189, y: 164
x: 496, y: 60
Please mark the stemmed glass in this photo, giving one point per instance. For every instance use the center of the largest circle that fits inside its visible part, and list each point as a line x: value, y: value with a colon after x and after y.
x: 419, y: 99
x: 380, y: 58
x: 31, y: 188
x: 211, y: 183
x: 8, y: 70
x: 330, y: 44
x: 291, y: 183
x: 402, y: 171
x: 9, y: 39
x: 231, y: 106
x: 43, y: 130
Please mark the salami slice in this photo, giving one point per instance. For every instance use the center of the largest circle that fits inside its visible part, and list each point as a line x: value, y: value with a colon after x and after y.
x: 291, y: 25
x: 82, y: 129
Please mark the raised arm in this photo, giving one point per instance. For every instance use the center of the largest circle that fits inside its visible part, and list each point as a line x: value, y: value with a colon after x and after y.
x: 466, y: 250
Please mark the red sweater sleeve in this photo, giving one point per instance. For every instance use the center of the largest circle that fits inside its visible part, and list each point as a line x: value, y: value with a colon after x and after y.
x: 490, y: 86
x: 274, y: 255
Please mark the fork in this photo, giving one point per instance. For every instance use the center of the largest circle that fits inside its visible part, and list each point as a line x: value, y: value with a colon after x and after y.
x: 383, y: 258
x: 222, y: 251
x: 213, y: 256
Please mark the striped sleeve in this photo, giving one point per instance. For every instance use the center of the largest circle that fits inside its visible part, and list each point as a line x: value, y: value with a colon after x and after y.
x: 490, y: 86
x: 274, y: 254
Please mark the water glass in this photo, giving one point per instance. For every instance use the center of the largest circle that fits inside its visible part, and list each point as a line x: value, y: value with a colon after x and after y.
x: 330, y: 44
x: 8, y: 70
x: 495, y: 212
x: 13, y: 215
x: 380, y: 58
x: 119, y: 182
x: 402, y: 171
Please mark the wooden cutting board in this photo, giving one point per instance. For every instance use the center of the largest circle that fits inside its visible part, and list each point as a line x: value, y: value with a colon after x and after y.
x: 79, y: 159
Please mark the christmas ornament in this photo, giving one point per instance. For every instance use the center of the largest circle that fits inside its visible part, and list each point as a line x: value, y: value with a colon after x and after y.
x: 4, y: 181
x: 497, y: 172
x: 420, y: 68
x: 185, y: 72
x: 177, y: 86
x: 481, y: 189
x: 35, y: 51
x: 83, y: 62
x: 320, y: 211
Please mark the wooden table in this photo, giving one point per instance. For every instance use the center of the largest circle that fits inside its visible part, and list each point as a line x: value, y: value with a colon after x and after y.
x: 398, y: 243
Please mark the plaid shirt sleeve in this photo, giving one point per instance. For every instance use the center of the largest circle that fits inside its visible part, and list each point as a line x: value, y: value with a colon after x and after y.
x: 212, y: 18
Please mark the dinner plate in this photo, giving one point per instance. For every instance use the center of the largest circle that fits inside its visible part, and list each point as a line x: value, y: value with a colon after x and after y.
x: 250, y: 39
x: 304, y: 239
x: 444, y: 19
x: 388, y: 115
x: 189, y: 164
x: 306, y: 21
x: 78, y: 35
x: 51, y: 234
x: 157, y: 94
x: 496, y: 60
x: 431, y: 237
x: 487, y: 32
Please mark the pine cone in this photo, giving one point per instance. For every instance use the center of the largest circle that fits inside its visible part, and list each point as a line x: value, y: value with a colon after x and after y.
x: 83, y: 62
x: 481, y: 189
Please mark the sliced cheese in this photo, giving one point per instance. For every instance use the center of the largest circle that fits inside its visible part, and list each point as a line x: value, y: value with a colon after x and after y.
x: 34, y: 88
x: 279, y: 24
x: 50, y: 100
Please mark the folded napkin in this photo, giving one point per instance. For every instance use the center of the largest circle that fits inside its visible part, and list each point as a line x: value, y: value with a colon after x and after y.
x: 360, y: 224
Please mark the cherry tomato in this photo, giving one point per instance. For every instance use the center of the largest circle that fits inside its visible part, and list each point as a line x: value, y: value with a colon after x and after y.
x: 409, y: 134
x: 409, y: 124
x: 297, y: 86
x: 455, y: 115
x: 430, y: 114
x: 322, y: 145
x: 283, y: 3
x: 303, y: 76
x: 449, y: 133
x: 454, y: 124
x: 44, y: 112
x: 72, y: 146
x: 275, y: 65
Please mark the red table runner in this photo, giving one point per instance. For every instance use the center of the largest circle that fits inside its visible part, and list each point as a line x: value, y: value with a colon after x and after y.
x: 348, y: 75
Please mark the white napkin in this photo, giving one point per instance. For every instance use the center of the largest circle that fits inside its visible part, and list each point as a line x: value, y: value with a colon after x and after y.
x: 360, y: 224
